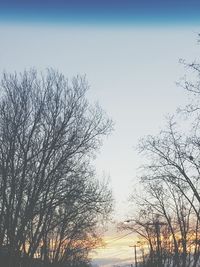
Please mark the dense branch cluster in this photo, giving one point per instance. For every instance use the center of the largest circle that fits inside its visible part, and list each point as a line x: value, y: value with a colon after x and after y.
x: 168, y: 214
x: 50, y: 199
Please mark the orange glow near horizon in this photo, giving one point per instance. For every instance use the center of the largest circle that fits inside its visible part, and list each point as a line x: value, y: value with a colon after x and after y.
x: 117, y: 249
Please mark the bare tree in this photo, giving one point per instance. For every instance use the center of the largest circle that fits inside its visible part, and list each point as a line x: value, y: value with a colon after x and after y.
x: 48, y: 134
x: 171, y: 180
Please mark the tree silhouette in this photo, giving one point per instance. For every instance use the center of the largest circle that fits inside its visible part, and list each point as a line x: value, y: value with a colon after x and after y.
x: 50, y: 199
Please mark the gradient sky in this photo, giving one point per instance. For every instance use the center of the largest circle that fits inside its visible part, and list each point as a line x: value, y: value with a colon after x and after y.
x: 129, y: 51
x: 95, y: 11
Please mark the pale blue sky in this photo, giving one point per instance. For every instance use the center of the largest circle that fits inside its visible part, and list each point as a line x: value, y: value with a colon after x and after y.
x: 132, y: 73
x: 131, y: 70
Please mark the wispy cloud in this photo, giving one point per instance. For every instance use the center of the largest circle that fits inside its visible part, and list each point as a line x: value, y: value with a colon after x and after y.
x: 108, y: 262
x: 117, y: 251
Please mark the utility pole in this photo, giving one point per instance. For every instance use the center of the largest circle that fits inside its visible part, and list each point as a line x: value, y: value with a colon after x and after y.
x: 135, y: 253
x: 157, y: 224
x: 135, y: 256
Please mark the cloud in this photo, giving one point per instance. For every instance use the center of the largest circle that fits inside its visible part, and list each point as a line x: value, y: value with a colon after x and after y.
x: 108, y: 262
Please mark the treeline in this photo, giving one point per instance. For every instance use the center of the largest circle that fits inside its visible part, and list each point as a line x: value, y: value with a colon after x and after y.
x: 50, y: 200
x: 167, y: 219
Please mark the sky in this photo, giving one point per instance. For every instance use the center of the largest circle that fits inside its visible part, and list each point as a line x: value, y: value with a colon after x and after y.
x: 100, y: 12
x: 129, y: 52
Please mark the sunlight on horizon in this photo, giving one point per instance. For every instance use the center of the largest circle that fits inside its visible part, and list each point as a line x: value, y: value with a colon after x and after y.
x: 132, y: 66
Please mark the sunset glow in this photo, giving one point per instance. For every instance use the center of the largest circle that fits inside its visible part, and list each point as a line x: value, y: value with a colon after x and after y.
x: 126, y: 55
x: 117, y: 250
